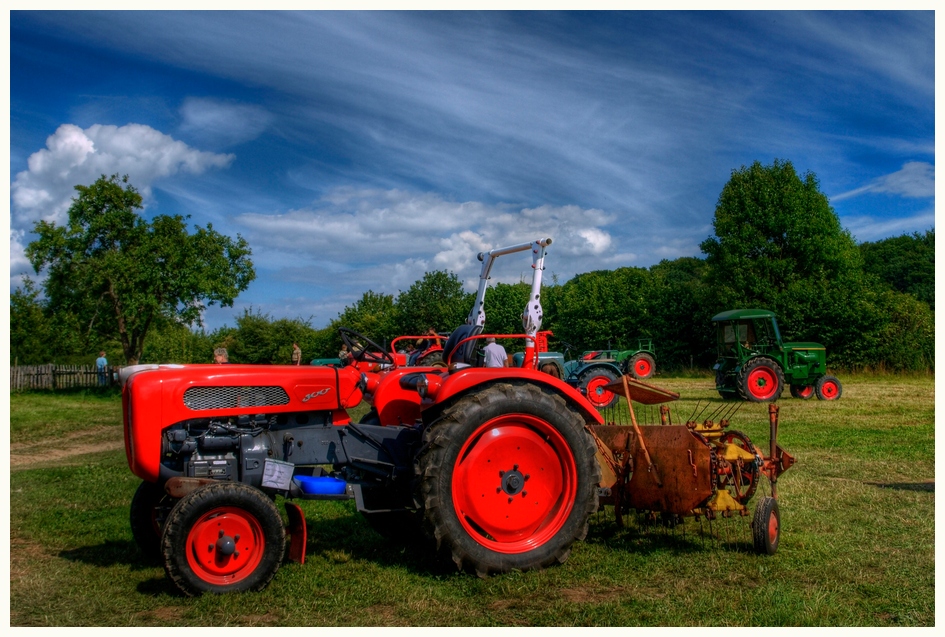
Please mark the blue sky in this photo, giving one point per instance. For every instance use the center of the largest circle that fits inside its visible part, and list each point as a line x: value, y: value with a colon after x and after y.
x: 358, y: 150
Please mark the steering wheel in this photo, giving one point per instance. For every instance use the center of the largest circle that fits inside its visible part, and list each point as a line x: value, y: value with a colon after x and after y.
x: 364, y: 349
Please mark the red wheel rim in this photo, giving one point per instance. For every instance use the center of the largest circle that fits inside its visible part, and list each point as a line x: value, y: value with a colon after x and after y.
x: 225, y: 545
x: 829, y: 390
x: 805, y: 392
x: 642, y: 367
x: 762, y: 383
x: 596, y: 394
x: 514, y: 483
x: 772, y: 529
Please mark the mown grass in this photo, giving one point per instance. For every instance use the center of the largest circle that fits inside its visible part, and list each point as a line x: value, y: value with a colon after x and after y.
x: 857, y: 544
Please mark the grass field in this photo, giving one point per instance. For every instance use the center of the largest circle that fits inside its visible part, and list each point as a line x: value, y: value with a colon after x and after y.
x: 857, y: 545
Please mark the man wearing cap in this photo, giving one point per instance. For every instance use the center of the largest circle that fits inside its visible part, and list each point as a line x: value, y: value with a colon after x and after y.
x: 495, y: 354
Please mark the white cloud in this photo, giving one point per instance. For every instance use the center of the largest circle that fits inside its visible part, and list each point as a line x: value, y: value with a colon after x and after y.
x: 386, y: 240
x: 223, y: 123
x: 19, y: 264
x: 869, y: 228
x: 915, y: 180
x: 80, y: 156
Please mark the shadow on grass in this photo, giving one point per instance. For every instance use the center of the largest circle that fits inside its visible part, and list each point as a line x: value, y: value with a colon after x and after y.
x: 928, y: 485
x: 689, y: 537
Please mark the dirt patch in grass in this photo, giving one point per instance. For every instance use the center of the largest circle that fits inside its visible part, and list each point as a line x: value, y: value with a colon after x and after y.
x: 77, y: 443
x: 592, y: 595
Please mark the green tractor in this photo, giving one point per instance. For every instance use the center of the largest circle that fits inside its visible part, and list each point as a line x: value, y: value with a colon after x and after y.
x: 754, y: 364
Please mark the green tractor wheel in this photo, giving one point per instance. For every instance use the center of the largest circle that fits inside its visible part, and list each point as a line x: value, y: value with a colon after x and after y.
x: 803, y: 392
x: 761, y: 380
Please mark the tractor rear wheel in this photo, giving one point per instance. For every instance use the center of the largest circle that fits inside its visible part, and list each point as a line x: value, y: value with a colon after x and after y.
x: 551, y: 369
x: 760, y: 380
x: 509, y: 479
x: 593, y: 382
x: 766, y: 526
x: 828, y: 388
x: 642, y: 366
x: 803, y: 392
x: 224, y: 537
x: 433, y: 359
x: 149, y: 508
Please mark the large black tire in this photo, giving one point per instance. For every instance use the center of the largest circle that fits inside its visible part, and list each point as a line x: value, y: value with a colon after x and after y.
x: 828, y: 388
x: 760, y: 380
x: 551, y: 369
x: 766, y: 526
x: 508, y: 479
x: 224, y: 537
x: 728, y: 393
x: 433, y: 359
x: 150, y: 506
x: 642, y: 366
x: 802, y: 392
x: 592, y: 383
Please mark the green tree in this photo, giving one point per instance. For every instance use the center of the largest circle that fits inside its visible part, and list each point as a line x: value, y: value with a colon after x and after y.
x: 601, y: 308
x: 31, y: 333
x: 437, y: 300
x: 373, y: 315
x: 505, y: 303
x: 905, y: 263
x: 680, y: 312
x: 779, y: 245
x: 118, y: 273
x: 260, y: 339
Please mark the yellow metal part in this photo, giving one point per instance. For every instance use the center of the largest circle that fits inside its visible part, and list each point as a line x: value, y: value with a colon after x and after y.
x: 734, y: 452
x: 723, y: 501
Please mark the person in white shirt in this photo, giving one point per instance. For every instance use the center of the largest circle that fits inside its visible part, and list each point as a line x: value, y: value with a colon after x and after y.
x: 495, y: 354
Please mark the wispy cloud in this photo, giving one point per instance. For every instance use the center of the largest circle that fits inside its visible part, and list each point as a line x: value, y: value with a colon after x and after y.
x: 223, y: 124
x: 915, y: 180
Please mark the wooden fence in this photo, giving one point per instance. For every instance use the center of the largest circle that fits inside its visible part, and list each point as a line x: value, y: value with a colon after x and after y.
x: 25, y: 377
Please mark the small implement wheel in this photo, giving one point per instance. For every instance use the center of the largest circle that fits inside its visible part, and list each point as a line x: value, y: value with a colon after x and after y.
x: 149, y: 509
x: 766, y: 526
x: 593, y: 382
x: 222, y: 538
x: 803, y: 392
x: 642, y: 366
x: 551, y: 369
x: 509, y: 479
x: 828, y: 388
x: 745, y: 475
x: 761, y: 380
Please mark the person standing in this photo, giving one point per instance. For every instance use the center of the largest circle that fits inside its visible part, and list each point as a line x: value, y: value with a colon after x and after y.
x: 101, y: 367
x: 495, y: 354
x: 220, y: 357
x: 296, y: 354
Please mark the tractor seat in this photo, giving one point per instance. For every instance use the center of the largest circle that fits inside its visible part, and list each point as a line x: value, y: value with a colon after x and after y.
x: 464, y: 355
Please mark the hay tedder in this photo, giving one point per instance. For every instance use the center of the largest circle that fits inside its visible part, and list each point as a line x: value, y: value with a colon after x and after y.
x: 500, y: 469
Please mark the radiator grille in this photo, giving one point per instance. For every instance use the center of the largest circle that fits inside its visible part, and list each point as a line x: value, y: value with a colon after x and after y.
x: 200, y: 398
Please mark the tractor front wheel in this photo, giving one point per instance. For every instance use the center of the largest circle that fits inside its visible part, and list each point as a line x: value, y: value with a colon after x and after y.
x: 509, y: 479
x: 224, y: 537
x: 761, y: 380
x: 828, y: 388
x: 593, y: 383
x: 803, y: 392
x: 642, y: 366
x: 149, y: 509
x: 766, y: 526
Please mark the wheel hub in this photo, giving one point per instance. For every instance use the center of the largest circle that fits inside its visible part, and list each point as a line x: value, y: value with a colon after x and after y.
x: 513, y: 481
x: 226, y: 545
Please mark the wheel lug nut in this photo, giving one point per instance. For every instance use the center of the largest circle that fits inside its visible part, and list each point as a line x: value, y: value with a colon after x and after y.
x: 221, y: 533
x: 510, y: 500
x: 210, y: 549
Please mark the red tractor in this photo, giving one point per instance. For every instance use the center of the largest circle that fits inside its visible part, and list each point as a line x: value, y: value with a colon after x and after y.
x: 501, y: 467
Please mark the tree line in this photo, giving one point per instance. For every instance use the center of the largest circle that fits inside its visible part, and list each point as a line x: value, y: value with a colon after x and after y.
x: 777, y: 245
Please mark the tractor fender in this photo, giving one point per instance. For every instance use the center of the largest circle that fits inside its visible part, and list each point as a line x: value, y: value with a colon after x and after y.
x: 580, y: 370
x: 465, y: 381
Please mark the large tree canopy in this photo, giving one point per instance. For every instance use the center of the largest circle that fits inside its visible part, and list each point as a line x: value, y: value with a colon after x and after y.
x: 118, y: 273
x: 779, y: 245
